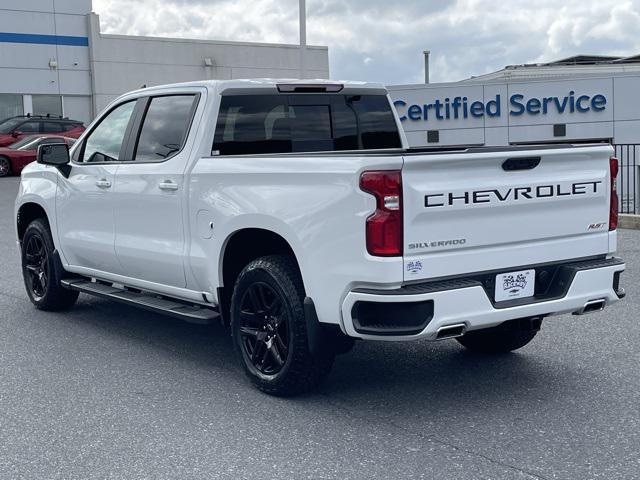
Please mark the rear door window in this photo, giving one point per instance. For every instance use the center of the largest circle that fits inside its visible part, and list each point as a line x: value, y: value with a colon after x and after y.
x: 51, y: 127
x: 165, y: 127
x: 255, y: 124
x: 29, y: 127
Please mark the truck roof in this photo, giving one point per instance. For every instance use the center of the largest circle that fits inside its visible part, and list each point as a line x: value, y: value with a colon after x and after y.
x: 268, y: 84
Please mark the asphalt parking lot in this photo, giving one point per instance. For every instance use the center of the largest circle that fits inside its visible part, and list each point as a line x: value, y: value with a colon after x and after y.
x: 107, y: 391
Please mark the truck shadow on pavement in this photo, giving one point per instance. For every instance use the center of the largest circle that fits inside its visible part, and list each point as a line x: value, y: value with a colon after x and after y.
x: 438, y: 376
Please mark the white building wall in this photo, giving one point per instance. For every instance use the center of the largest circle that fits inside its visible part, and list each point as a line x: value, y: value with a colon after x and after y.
x: 34, y: 58
x: 618, y: 121
x: 123, y: 63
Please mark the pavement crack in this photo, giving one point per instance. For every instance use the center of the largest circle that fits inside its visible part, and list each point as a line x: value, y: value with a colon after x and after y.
x: 432, y: 438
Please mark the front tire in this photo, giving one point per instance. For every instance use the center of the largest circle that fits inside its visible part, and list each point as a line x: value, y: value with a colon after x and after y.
x: 270, y: 331
x: 42, y: 271
x: 5, y: 167
x: 504, y: 338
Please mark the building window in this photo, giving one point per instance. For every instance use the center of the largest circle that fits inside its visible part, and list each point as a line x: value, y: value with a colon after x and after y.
x: 10, y: 105
x: 47, y: 104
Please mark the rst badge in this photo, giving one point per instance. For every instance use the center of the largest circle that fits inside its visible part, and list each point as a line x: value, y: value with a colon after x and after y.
x: 514, y: 285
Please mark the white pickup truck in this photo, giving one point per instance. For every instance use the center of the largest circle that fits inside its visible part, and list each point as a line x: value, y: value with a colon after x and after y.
x: 295, y: 213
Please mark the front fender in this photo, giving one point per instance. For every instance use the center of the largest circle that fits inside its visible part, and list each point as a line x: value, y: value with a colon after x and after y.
x: 39, y: 185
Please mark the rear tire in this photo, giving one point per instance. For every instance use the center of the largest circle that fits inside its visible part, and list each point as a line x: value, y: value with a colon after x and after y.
x: 270, y: 331
x: 42, y: 270
x: 5, y: 167
x: 504, y: 338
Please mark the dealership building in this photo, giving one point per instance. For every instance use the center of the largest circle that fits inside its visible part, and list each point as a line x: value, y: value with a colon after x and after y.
x: 578, y: 99
x: 54, y: 60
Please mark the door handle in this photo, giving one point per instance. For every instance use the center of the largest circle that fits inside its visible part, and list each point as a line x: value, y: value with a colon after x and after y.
x: 103, y: 183
x: 168, y: 185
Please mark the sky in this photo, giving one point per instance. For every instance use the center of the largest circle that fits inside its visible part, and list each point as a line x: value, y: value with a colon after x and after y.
x: 383, y: 40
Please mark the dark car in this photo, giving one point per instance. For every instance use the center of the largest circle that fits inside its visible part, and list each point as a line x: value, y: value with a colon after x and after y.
x: 15, y: 128
x: 19, y: 154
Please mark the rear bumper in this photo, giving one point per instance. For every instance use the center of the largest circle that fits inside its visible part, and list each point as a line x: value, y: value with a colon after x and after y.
x: 419, y: 311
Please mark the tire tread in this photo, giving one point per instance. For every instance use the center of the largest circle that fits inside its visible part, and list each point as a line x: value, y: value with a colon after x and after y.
x: 57, y: 297
x: 305, y: 371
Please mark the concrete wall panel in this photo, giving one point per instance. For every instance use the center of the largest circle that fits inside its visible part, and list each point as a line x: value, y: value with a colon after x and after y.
x: 78, y: 108
x: 27, y: 5
x: 74, y: 83
x: 23, y: 55
x: 627, y: 131
x: 575, y: 131
x: 496, y: 136
x: 14, y: 21
x: 81, y: 7
x: 72, y: 25
x: 627, y: 98
x: 21, y: 80
x: 73, y: 58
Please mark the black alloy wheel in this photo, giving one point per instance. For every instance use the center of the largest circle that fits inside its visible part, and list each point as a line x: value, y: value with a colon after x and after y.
x: 269, y: 328
x: 36, y: 265
x: 5, y: 167
x: 42, y: 270
x: 264, y: 329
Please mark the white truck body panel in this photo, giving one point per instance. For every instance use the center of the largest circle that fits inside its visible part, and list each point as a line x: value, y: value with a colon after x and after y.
x: 172, y: 241
x: 479, y: 217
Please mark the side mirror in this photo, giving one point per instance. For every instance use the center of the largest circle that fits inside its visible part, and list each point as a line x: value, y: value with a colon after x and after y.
x: 56, y: 154
x: 16, y: 134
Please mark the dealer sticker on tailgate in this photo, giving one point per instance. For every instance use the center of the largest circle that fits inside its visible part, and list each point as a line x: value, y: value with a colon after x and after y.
x: 514, y: 285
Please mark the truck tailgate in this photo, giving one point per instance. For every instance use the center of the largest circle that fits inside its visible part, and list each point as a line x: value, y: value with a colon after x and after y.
x: 480, y: 211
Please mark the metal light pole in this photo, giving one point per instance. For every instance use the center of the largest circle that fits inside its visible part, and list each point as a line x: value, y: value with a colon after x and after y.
x: 303, y: 38
x: 426, y: 65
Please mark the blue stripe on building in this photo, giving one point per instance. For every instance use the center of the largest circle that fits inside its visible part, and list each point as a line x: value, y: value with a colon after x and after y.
x: 43, y: 39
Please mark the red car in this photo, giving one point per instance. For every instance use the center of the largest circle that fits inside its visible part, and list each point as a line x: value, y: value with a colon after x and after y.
x: 21, y: 153
x: 16, y: 128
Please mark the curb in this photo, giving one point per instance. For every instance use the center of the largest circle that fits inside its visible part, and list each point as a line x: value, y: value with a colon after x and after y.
x: 629, y: 221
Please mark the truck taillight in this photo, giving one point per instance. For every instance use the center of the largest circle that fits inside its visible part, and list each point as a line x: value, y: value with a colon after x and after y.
x: 613, y: 203
x: 384, y: 226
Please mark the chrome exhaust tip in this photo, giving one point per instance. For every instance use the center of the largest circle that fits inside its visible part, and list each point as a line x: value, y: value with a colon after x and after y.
x: 592, y: 306
x: 451, y: 331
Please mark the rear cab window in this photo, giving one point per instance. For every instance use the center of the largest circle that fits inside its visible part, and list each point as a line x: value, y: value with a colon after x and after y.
x: 280, y: 123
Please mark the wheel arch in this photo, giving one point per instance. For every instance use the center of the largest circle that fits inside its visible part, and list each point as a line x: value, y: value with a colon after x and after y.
x: 27, y: 213
x: 247, y: 244
x: 241, y: 247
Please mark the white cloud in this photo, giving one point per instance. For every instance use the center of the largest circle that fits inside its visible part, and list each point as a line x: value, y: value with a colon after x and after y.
x: 383, y: 41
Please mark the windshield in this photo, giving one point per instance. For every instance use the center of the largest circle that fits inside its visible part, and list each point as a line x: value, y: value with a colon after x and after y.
x: 27, y: 143
x: 9, y: 125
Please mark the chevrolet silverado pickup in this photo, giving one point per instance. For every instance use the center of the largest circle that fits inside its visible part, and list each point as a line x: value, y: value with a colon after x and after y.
x: 295, y: 213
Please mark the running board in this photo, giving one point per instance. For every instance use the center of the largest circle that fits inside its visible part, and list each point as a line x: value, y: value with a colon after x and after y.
x: 188, y: 312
